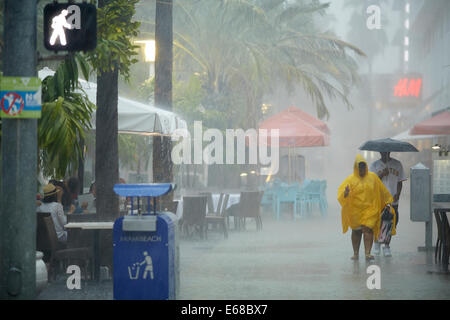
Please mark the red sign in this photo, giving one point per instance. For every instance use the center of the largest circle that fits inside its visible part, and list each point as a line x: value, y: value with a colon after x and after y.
x: 407, y: 87
x: 12, y: 103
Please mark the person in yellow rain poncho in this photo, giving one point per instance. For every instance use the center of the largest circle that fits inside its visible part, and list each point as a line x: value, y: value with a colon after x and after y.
x: 362, y: 196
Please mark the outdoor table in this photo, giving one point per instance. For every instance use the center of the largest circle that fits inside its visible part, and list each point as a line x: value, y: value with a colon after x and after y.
x: 96, y: 226
x: 442, y: 208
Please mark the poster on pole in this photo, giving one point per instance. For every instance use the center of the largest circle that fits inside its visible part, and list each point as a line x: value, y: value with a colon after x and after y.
x: 20, y: 97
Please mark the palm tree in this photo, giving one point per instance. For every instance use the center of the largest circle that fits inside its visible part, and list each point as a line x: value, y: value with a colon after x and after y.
x: 66, y: 114
x: 113, y: 55
x: 162, y: 146
x: 242, y: 48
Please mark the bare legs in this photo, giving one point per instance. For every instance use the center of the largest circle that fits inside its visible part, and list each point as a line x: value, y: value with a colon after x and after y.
x: 356, y: 241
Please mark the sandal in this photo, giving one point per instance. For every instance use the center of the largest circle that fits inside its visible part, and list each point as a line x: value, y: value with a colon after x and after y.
x: 369, y: 257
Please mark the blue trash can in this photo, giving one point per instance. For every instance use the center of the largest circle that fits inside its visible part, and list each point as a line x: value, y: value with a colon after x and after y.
x: 145, y: 249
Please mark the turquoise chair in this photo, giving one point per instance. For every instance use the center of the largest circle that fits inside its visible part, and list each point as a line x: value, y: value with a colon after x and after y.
x: 301, y: 202
x: 315, y: 193
x: 286, y: 194
x: 323, y: 198
x: 268, y: 194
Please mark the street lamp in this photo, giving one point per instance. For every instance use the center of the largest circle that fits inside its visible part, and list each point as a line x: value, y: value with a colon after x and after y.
x: 150, y: 53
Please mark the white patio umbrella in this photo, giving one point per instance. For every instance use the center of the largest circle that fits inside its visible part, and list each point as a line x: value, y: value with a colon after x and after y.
x: 134, y: 117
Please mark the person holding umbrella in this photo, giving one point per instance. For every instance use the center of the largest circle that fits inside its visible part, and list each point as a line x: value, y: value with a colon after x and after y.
x: 391, y: 173
x: 362, y: 196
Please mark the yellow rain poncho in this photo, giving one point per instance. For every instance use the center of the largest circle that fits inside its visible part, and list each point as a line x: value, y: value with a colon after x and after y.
x: 367, y: 198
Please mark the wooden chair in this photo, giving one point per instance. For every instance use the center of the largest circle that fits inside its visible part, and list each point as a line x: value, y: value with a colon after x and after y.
x: 194, y: 215
x: 61, y: 254
x: 250, y: 207
x: 219, y: 216
x: 42, y: 241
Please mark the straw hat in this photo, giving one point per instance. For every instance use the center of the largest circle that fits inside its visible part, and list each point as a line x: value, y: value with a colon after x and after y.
x: 49, y: 190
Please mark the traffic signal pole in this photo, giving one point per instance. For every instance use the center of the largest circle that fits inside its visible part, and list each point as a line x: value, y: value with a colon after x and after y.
x: 19, y: 161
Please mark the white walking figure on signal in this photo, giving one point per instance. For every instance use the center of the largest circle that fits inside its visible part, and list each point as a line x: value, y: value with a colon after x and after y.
x: 149, y: 265
x: 58, y: 24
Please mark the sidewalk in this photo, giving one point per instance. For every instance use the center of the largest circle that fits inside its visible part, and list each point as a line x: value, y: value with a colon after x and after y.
x: 292, y: 260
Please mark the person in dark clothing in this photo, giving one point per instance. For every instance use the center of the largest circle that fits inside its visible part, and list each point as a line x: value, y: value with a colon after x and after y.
x: 73, y: 187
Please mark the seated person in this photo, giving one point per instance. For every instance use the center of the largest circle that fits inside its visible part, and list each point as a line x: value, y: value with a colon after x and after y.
x: 88, y: 201
x: 61, y: 189
x: 50, y: 204
x: 93, y: 190
x: 70, y: 199
x: 38, y: 200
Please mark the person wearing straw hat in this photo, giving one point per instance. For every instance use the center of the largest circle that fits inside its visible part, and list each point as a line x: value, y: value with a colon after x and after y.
x: 51, y: 204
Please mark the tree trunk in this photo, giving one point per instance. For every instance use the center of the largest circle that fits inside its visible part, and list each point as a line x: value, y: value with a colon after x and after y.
x: 107, y: 158
x: 164, y: 54
x: 106, y: 147
x: 162, y: 146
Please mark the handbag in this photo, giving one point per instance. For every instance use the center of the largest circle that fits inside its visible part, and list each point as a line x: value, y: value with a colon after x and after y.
x: 386, y: 225
x: 387, y: 214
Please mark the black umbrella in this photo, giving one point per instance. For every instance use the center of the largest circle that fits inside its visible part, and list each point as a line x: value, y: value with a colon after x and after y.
x: 388, y: 145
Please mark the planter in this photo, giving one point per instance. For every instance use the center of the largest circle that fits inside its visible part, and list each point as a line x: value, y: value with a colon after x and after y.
x: 41, y: 273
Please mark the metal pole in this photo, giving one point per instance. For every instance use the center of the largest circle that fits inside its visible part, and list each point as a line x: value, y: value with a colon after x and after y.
x: 19, y: 162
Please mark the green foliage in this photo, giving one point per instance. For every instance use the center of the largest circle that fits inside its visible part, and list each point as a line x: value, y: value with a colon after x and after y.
x: 114, y: 33
x: 66, y: 113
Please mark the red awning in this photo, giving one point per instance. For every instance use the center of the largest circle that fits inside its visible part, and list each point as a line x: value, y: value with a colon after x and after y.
x: 294, y: 131
x: 439, y: 124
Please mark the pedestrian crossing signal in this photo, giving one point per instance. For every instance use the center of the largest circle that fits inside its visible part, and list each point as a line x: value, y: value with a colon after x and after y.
x: 70, y: 27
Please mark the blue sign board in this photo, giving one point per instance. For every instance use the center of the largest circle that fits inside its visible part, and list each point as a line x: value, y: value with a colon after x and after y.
x: 144, y: 260
x: 20, y: 97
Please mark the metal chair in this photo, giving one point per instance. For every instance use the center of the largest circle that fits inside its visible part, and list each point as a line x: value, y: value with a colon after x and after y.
x: 209, y: 201
x: 438, y: 250
x: 442, y: 227
x: 249, y: 207
x: 219, y: 216
x: 194, y: 215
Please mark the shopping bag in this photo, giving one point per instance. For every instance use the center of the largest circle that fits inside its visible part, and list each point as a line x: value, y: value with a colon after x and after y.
x: 386, y: 225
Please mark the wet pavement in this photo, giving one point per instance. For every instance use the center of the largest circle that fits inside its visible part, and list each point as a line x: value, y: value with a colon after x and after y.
x: 293, y: 260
